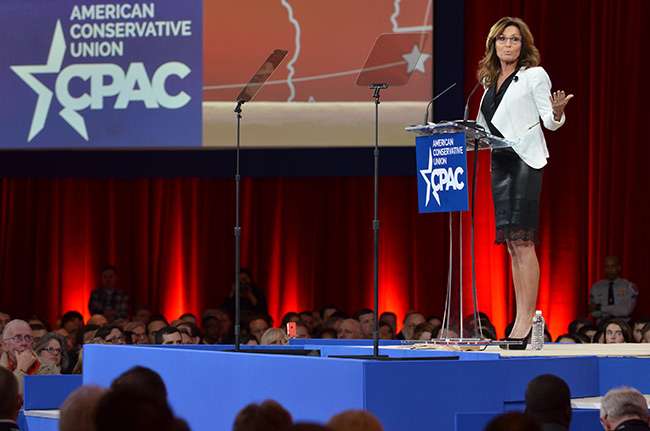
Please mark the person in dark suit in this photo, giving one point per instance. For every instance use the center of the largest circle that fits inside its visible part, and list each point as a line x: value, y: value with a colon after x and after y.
x: 516, y: 102
x: 10, y: 400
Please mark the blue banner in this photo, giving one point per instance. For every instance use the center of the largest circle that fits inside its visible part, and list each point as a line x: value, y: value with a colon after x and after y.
x: 442, y: 173
x: 100, y: 74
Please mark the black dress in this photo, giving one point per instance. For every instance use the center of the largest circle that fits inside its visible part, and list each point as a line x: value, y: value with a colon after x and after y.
x: 516, y: 187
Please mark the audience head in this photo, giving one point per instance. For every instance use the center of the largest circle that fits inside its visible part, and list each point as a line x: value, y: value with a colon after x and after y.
x: 637, y: 327
x: 307, y: 318
x: 5, y: 317
x: 274, y: 336
x: 168, y: 335
x: 38, y: 330
x: 366, y: 318
x: 141, y: 313
x: 386, y: 331
x: 423, y: 332
x: 141, y: 377
x: 617, y: 331
x: 301, y: 330
x: 350, y: 329
x: 354, y: 420
x: 189, y: 317
x: 620, y: 405
x: 514, y: 421
x: 267, y: 416
x: 72, y: 321
x: 109, y: 276
x: 411, y: 320
x: 578, y: 323
x: 193, y: 331
x: 390, y: 318
x: 645, y: 333
x: 69, y: 343
x: 248, y: 339
x: 588, y: 331
x: 78, y: 410
x: 612, y: 267
x: 548, y: 400
x: 133, y: 409
x: 257, y: 325
x: 156, y: 323
x: 53, y: 348
x: 434, y: 320
x: 568, y: 339
x: 97, y: 319
x: 16, y: 338
x: 327, y: 333
x: 291, y: 316
x: 211, y: 329
x: 327, y: 311
x: 136, y: 333
x: 10, y: 400
x: 111, y: 335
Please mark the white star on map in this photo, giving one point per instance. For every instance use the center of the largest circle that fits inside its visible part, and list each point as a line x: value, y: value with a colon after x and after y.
x: 415, y: 60
x: 425, y: 174
x: 26, y: 73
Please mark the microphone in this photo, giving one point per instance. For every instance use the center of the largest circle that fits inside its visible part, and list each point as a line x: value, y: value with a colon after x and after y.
x: 466, y: 114
x: 426, y: 113
x: 515, y: 78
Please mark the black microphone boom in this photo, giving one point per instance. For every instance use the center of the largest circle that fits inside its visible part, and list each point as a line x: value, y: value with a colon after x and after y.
x: 426, y: 113
x: 466, y: 114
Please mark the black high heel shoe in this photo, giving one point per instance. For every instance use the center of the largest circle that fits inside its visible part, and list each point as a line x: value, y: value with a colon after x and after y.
x: 515, y: 343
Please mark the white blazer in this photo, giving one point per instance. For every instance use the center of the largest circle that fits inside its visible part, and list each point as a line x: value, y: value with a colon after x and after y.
x: 518, y: 116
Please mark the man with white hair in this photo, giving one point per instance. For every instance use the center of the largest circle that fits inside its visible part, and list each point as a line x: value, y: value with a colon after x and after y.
x: 18, y: 356
x: 624, y: 408
x: 350, y: 329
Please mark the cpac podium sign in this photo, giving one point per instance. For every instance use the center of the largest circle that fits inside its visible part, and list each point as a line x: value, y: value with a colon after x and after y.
x: 442, y: 172
x: 90, y: 74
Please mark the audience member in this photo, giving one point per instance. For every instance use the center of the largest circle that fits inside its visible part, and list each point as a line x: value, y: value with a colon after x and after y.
x: 121, y: 323
x: 274, y: 336
x: 141, y: 377
x: 251, y: 297
x: 645, y: 333
x: 291, y: 316
x: 366, y: 318
x: 434, y: 320
x: 156, y: 323
x: 185, y: 335
x: 111, y: 335
x: 327, y: 334
x: 423, y: 332
x: 577, y: 324
x: 267, y: 416
x: 77, y: 412
x: 52, y: 347
x: 189, y: 317
x: 193, y: 331
x: 108, y: 300
x: 624, y: 409
x: 38, y: 330
x: 301, y: 330
x: 617, y: 331
x: 169, y: 335
x: 248, y: 339
x: 211, y: 330
x: 390, y: 318
x: 5, y: 317
x: 354, y: 420
x: 257, y: 326
x: 548, y: 402
x: 307, y: 318
x: 588, y: 331
x: 411, y: 320
x: 568, y: 339
x: 141, y: 313
x: 10, y: 401
x: 136, y: 333
x: 38, y: 320
x: 18, y: 356
x: 513, y: 421
x: 637, y: 326
x: 386, y: 331
x: 97, y: 320
x: 327, y: 311
x: 350, y: 329
x: 613, y: 296
x: 133, y: 409
x: 72, y: 321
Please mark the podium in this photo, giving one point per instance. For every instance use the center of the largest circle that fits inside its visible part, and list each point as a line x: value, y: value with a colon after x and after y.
x: 475, y: 139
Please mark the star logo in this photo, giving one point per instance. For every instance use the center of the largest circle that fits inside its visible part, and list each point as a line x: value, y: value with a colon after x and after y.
x: 42, y: 108
x: 426, y: 173
x: 415, y: 60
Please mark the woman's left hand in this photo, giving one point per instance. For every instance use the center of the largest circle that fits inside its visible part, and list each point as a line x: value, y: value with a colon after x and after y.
x: 559, y: 100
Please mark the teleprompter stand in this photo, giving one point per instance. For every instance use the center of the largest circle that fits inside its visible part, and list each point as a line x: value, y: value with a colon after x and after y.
x: 475, y: 139
x: 390, y: 63
x: 246, y: 95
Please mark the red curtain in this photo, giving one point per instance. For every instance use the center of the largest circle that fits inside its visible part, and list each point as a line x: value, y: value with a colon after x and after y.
x: 309, y: 241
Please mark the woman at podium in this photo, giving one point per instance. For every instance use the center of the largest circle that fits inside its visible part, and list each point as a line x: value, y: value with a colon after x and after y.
x: 516, y: 103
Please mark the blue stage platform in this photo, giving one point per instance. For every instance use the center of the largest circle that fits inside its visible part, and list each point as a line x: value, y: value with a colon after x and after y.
x: 409, y: 390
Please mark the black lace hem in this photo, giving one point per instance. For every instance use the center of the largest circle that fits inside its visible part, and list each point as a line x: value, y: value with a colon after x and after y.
x: 507, y: 234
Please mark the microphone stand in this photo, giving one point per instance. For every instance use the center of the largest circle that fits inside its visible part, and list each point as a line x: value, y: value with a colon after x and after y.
x: 237, y: 233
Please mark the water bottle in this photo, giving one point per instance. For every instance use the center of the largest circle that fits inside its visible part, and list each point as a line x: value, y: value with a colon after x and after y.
x: 537, y: 341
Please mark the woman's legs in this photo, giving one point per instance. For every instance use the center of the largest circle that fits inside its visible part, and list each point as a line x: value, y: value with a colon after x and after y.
x: 525, y: 275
